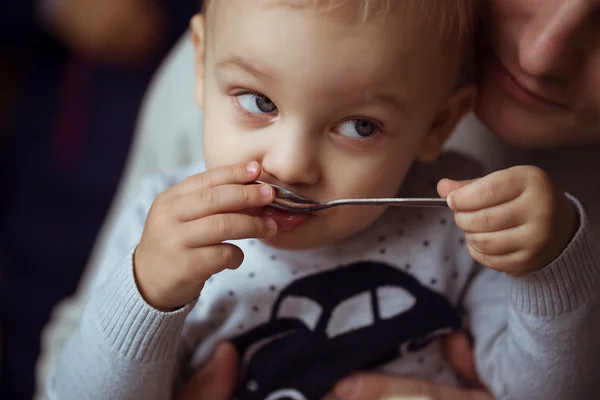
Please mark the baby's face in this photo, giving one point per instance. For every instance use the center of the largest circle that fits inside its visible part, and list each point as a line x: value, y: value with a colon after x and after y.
x: 331, y: 106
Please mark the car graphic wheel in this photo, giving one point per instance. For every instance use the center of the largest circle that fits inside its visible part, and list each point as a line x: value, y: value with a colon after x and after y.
x: 286, y: 394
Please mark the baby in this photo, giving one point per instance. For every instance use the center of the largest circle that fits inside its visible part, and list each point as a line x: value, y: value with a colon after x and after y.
x: 331, y: 99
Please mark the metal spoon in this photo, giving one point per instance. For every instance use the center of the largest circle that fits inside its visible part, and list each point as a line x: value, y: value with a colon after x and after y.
x: 287, y: 200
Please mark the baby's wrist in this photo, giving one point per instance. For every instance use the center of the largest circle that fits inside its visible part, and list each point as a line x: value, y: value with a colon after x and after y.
x: 146, y: 288
x: 567, y: 225
x: 564, y: 229
x: 575, y: 223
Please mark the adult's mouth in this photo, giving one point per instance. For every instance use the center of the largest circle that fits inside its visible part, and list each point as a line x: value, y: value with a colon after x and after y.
x: 522, y: 93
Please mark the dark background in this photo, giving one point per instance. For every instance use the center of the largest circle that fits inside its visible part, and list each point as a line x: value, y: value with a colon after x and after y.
x: 66, y: 122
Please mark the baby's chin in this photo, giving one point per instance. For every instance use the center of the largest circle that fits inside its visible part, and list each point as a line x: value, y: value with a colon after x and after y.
x: 295, y: 241
x: 313, y: 235
x: 303, y: 239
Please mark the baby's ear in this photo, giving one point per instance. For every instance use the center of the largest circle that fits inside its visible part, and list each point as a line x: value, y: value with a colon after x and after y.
x: 460, y: 103
x: 198, y: 40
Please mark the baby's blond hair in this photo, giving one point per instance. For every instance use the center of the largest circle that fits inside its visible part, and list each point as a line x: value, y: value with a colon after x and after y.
x: 455, y: 19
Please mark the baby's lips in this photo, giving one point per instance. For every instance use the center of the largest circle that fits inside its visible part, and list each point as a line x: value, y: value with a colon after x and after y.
x: 286, y: 221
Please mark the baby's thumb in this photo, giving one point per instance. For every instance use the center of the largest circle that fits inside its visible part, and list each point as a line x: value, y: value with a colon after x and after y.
x: 216, y: 380
x: 447, y: 186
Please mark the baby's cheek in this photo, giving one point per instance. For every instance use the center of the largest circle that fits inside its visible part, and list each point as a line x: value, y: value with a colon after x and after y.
x: 217, y: 154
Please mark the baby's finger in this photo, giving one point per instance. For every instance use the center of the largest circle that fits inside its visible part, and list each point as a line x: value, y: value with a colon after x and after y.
x: 209, y: 260
x: 511, y: 263
x: 229, y: 174
x: 498, y: 243
x: 222, y: 199
x: 221, y: 227
x: 494, y: 189
x: 447, y: 186
x: 489, y: 219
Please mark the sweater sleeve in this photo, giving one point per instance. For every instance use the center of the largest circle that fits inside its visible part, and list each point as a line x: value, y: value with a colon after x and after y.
x: 123, y: 348
x: 543, y: 345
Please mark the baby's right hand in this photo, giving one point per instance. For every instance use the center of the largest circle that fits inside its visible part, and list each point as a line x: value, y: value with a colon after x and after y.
x: 181, y: 245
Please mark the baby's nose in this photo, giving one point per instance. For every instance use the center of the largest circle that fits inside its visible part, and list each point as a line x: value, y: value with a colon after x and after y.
x: 293, y: 160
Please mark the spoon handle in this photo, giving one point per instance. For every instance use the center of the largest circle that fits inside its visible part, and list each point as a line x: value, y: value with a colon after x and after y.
x: 394, y: 202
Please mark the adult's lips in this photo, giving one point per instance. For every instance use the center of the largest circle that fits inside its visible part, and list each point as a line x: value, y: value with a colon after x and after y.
x: 523, y: 93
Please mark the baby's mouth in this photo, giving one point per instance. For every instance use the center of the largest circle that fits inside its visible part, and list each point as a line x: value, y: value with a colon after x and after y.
x: 286, y: 220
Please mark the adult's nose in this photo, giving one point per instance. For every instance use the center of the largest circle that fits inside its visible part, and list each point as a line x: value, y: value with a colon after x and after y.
x: 550, y: 44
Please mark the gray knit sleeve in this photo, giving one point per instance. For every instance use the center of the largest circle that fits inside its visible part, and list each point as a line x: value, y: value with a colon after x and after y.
x: 123, y: 348
x: 542, y: 344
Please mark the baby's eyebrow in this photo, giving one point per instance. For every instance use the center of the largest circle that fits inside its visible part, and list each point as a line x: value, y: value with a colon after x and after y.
x: 386, y: 99
x: 390, y: 100
x: 239, y: 63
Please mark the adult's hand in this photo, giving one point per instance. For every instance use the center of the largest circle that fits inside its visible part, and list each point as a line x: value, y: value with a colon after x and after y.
x: 375, y: 386
x: 216, y: 380
x: 113, y: 30
x: 459, y: 352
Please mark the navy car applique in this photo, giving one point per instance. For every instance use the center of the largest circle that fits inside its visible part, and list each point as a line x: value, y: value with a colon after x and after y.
x: 326, y: 326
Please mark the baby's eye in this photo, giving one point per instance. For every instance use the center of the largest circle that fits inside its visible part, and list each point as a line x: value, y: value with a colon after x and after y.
x: 357, y: 128
x: 256, y: 103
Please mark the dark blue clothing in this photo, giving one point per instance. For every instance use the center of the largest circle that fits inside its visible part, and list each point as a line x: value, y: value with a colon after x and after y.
x: 67, y: 144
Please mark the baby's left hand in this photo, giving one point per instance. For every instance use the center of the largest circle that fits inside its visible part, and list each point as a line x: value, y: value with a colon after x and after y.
x: 516, y: 220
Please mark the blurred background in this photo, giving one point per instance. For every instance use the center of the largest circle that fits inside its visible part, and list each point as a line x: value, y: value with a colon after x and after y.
x: 72, y: 77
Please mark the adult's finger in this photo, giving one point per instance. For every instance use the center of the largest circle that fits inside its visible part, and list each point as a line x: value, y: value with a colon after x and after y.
x: 216, y: 380
x: 375, y: 386
x: 494, y: 189
x: 459, y: 352
x: 222, y: 199
x: 230, y: 174
x: 221, y: 227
